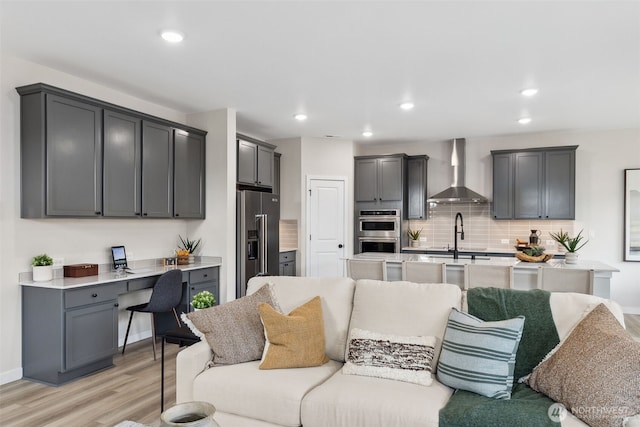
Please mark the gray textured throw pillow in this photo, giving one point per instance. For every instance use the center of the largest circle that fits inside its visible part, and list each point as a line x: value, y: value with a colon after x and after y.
x: 233, y: 330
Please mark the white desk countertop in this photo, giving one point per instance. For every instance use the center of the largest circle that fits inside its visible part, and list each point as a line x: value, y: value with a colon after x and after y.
x: 153, y: 269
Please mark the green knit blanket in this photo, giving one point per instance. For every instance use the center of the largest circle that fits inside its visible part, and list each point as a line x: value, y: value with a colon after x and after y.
x: 526, y: 407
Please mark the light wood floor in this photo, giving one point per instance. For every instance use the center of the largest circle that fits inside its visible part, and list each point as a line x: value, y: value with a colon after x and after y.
x: 129, y: 391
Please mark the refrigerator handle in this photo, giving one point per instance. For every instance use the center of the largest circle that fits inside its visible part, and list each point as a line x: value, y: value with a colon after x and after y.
x: 262, y: 244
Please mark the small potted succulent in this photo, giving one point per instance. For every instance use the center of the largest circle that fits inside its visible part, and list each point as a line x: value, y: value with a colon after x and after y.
x: 191, y: 246
x: 414, y: 235
x: 571, y: 244
x: 42, y: 268
x: 204, y: 299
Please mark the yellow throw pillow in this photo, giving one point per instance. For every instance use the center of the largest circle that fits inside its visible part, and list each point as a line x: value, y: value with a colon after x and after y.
x: 295, y: 340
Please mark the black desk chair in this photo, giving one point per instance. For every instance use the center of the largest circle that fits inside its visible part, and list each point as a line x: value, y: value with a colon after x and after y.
x: 166, y: 295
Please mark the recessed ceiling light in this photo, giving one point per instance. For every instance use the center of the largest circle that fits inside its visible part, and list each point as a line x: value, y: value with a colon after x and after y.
x: 407, y: 106
x: 300, y: 117
x: 367, y: 133
x: 172, y: 36
x: 529, y: 91
x: 524, y: 120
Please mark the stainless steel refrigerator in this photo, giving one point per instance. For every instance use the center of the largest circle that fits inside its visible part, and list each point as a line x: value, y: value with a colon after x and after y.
x: 257, y: 237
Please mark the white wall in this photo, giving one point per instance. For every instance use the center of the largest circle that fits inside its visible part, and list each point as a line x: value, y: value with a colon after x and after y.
x: 77, y: 240
x: 217, y: 231
x: 304, y: 157
x: 600, y: 160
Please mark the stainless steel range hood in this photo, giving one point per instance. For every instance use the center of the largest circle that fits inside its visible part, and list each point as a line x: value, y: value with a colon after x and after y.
x: 458, y: 193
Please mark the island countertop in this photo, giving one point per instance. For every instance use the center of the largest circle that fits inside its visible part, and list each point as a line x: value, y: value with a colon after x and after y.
x: 106, y: 275
x: 397, y: 258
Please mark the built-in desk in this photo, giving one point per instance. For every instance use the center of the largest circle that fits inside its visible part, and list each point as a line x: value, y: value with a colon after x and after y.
x: 70, y: 325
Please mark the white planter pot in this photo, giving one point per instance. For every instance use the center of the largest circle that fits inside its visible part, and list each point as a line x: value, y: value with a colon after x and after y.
x: 415, y: 243
x: 43, y: 273
x: 192, y: 259
x: 571, y: 258
x: 191, y: 414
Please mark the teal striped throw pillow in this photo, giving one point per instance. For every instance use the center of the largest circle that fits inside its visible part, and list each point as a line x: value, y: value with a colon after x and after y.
x: 480, y: 356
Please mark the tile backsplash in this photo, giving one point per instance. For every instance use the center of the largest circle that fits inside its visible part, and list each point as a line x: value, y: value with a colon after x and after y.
x: 480, y: 229
x: 288, y: 234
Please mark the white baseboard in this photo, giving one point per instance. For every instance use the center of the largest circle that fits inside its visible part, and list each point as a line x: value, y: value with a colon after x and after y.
x: 10, y: 376
x: 631, y: 310
x: 135, y: 337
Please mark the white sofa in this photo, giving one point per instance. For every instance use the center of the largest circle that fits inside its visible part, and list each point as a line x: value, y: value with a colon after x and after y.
x: 245, y: 396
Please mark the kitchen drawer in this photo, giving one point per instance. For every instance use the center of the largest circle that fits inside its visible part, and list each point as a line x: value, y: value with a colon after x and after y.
x: 202, y: 275
x: 93, y: 294
x: 142, y: 283
x: 287, y: 256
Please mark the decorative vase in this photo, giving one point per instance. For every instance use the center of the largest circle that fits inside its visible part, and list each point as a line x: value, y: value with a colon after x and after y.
x: 571, y: 258
x: 189, y: 414
x: 43, y: 273
x: 415, y: 243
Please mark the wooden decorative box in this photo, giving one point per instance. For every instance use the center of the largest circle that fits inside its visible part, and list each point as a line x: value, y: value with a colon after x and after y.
x: 80, y: 270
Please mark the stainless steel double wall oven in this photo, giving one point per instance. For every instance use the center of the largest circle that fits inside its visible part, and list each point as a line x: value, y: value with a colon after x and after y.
x: 379, y: 230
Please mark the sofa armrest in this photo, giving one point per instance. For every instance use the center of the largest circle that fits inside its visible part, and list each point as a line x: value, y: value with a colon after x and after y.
x: 190, y: 362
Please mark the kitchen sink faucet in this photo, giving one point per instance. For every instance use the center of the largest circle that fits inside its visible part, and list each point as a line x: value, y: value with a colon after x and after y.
x: 455, y: 234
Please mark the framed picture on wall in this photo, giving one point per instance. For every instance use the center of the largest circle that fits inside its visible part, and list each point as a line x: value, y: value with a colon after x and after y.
x: 632, y: 214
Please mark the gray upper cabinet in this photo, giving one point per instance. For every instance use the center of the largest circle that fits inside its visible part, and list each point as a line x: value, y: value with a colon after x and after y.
x: 255, y: 162
x: 379, y: 179
x: 417, y: 187
x: 276, y: 173
x: 189, y: 176
x: 61, y: 157
x: 157, y: 170
x: 534, y: 183
x: 122, y: 165
x: 502, y: 186
x: 82, y: 157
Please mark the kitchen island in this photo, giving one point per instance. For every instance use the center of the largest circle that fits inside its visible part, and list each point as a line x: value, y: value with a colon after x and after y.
x: 525, y: 274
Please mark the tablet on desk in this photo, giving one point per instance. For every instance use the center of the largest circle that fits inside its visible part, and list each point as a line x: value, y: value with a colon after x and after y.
x: 119, y: 256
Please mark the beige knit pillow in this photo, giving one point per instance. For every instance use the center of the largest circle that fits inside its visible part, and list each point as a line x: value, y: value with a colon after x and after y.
x: 595, y: 372
x: 295, y: 340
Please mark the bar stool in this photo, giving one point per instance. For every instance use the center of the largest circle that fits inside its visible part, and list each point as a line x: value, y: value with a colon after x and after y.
x: 424, y: 272
x: 488, y: 276
x: 565, y: 280
x: 367, y: 269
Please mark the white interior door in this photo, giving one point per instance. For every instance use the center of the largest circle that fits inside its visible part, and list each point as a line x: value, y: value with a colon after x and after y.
x: 326, y: 227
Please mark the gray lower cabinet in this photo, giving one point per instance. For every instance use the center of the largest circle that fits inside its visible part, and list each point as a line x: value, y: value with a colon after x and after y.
x: 287, y: 263
x: 189, y: 179
x: 379, y: 179
x: 69, y: 333
x: 417, y: 187
x: 534, y: 183
x: 255, y: 162
x: 82, y: 157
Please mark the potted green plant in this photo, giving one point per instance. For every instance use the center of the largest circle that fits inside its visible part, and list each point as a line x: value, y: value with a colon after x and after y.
x: 414, y: 235
x: 204, y: 299
x: 571, y: 244
x: 190, y: 246
x: 42, y: 268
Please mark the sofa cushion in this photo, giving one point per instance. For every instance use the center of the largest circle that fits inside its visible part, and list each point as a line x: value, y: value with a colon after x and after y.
x: 233, y: 330
x: 569, y: 308
x: 337, y: 301
x: 480, y: 356
x: 595, y: 372
x: 396, y: 357
x: 294, y: 340
x: 272, y: 396
x: 353, y: 400
x: 404, y: 308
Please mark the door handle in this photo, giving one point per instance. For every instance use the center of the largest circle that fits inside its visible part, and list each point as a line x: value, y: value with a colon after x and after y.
x: 340, y: 245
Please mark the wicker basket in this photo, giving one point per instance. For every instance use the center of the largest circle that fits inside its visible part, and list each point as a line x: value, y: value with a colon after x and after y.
x: 527, y: 258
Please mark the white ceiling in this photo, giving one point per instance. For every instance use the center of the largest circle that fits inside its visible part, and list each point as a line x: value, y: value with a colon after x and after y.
x: 348, y: 65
